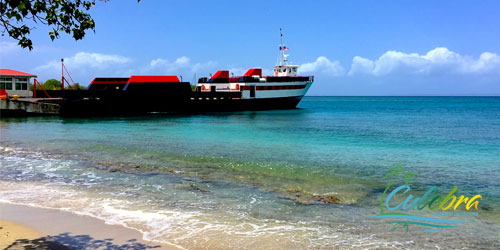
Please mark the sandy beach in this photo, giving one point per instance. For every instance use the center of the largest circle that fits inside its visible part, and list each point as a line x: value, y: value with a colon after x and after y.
x: 11, y: 232
x: 25, y: 227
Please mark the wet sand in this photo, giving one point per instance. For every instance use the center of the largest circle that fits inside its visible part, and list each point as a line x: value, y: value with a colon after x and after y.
x: 37, y: 228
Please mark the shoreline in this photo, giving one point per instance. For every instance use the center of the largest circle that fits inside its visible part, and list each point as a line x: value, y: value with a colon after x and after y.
x: 46, y: 228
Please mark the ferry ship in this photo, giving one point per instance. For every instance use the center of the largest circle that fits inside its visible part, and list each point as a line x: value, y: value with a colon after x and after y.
x: 284, y: 89
x: 220, y: 92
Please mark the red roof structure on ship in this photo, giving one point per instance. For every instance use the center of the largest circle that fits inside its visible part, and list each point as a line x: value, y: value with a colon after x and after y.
x: 254, y: 72
x: 110, y: 80
x: 11, y: 72
x: 221, y: 74
x: 137, y: 79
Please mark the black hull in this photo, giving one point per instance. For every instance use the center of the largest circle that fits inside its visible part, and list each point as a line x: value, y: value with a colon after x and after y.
x: 246, y: 104
x: 117, y: 105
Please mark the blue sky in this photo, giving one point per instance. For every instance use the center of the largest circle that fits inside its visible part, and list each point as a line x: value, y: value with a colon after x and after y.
x: 352, y: 47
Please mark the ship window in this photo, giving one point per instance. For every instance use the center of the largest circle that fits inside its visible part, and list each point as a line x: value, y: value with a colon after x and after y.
x: 25, y: 86
x: 294, y: 69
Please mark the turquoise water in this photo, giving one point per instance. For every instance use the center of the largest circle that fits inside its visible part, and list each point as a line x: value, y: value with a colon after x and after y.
x: 231, y: 178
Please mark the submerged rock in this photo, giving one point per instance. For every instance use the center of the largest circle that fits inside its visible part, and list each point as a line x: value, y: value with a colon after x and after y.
x: 327, y: 198
x: 195, y: 187
x: 309, y: 198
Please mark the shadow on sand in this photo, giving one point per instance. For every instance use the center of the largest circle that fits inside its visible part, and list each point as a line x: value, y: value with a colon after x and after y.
x: 67, y: 241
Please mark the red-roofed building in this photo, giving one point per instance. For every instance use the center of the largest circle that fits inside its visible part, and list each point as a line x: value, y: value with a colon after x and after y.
x: 15, y: 82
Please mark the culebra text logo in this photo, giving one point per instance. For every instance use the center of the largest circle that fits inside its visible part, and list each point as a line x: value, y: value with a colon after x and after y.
x: 404, y: 216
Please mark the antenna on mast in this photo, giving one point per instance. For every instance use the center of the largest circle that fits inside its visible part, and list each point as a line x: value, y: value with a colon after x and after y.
x: 281, y: 37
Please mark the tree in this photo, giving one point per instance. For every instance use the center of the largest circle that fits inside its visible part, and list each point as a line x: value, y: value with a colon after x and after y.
x: 76, y: 86
x: 52, y: 84
x: 67, y: 16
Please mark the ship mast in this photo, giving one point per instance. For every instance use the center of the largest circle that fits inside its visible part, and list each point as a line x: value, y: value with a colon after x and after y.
x: 284, y: 60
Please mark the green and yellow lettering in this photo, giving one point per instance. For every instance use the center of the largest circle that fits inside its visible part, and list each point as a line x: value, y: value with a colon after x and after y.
x: 460, y: 200
x: 471, y: 201
x: 448, y: 197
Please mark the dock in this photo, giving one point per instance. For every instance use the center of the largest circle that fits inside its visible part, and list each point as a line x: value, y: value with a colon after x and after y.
x: 29, y: 107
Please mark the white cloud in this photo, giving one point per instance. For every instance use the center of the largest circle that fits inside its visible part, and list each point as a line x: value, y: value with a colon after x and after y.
x: 181, y: 65
x: 207, y: 66
x: 82, y: 61
x: 183, y: 60
x: 437, y: 61
x: 323, y: 65
x: 487, y: 62
x: 156, y: 62
x: 84, y: 66
x: 361, y: 65
x: 7, y: 47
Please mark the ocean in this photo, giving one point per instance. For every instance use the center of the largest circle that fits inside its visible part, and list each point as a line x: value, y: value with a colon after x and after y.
x: 306, y: 178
